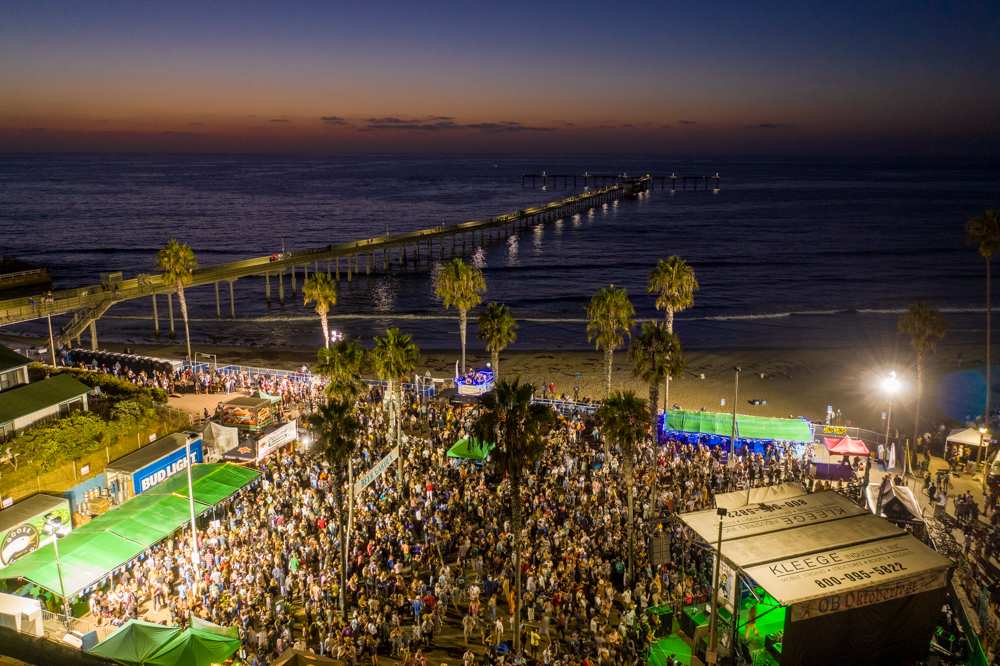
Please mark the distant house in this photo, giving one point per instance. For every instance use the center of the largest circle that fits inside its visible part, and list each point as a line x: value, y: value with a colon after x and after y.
x: 27, y: 404
x: 13, y: 369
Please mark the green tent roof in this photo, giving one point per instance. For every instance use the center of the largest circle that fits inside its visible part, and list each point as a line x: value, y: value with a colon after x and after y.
x: 470, y: 448
x: 747, y: 427
x: 30, y: 398
x: 134, y: 642
x: 195, y: 647
x: 91, y: 552
x: 10, y: 359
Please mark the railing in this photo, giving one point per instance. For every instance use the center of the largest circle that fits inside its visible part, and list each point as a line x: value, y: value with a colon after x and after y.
x: 567, y: 407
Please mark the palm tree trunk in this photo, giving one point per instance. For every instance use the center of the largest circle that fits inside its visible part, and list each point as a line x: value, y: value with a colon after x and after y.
x: 324, y: 322
x: 515, y: 500
x: 669, y: 314
x: 654, y: 401
x: 394, y: 429
x: 631, y: 521
x: 496, y: 365
x: 989, y: 339
x: 463, y: 317
x: 920, y: 394
x: 184, y: 316
x: 350, y: 501
x: 609, y: 360
x: 343, y: 548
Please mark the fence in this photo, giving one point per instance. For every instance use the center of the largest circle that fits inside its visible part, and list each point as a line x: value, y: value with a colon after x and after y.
x: 25, y: 481
x: 871, y: 437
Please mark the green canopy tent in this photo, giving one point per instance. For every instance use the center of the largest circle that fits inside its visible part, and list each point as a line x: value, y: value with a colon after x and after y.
x: 197, y: 646
x: 134, y: 642
x: 747, y: 427
x: 470, y: 448
x: 89, y: 553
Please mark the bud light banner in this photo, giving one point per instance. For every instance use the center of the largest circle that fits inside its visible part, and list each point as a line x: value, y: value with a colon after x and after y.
x: 165, y: 467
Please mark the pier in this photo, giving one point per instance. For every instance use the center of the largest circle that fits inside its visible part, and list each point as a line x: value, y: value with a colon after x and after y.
x: 674, y: 182
x: 342, y: 261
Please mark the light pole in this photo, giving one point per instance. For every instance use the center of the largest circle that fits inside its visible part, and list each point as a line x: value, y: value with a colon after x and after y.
x: 984, y: 440
x: 734, y: 433
x: 195, y: 554
x: 890, y: 387
x: 55, y: 528
x: 711, y: 656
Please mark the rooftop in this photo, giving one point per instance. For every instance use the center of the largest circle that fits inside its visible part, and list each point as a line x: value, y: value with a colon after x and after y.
x: 30, y: 398
x: 10, y: 359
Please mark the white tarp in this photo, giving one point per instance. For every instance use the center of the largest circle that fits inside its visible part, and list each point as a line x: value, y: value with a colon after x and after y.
x: 739, y: 498
x: 772, y: 516
x: 222, y: 438
x: 965, y: 436
x: 21, y: 614
x: 809, y: 539
x: 840, y: 579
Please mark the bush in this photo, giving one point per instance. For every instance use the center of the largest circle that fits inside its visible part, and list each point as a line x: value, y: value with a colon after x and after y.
x: 116, y: 388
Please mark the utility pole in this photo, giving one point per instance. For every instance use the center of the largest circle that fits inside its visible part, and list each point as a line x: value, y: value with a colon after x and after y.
x: 711, y: 656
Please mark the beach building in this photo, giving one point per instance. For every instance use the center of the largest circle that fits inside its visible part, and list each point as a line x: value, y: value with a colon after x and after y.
x: 13, y: 369
x: 24, y: 403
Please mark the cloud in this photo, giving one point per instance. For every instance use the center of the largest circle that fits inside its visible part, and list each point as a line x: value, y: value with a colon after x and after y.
x: 279, y: 120
x: 447, y: 124
x: 334, y: 121
x: 770, y: 126
x: 688, y: 122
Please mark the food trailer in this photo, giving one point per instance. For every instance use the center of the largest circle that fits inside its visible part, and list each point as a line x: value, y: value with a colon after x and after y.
x: 141, y: 470
x: 255, y: 446
x: 247, y: 412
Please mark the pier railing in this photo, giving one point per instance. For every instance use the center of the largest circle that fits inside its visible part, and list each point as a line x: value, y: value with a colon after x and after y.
x: 104, y: 295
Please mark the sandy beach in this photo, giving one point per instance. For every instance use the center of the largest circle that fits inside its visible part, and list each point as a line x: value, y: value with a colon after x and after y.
x: 793, y: 383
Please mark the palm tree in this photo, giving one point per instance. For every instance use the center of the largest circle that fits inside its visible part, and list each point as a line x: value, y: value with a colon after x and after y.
x: 320, y: 289
x: 926, y: 327
x: 178, y: 263
x: 623, y: 420
x: 336, y: 426
x: 984, y: 232
x: 656, y: 356
x: 341, y: 365
x: 460, y: 286
x: 610, y: 317
x: 519, y: 428
x: 497, y: 330
x: 674, y: 283
x: 395, y: 357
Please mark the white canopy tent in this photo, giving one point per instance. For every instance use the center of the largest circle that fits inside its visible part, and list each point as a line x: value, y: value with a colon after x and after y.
x: 965, y: 436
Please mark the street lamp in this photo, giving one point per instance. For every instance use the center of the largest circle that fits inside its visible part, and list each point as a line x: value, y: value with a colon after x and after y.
x: 55, y: 528
x: 890, y: 386
x: 734, y: 433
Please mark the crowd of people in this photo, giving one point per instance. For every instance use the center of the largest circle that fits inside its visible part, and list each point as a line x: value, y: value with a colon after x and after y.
x: 432, y: 562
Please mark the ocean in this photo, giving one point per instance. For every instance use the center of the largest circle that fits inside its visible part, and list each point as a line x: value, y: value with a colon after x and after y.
x: 791, y: 253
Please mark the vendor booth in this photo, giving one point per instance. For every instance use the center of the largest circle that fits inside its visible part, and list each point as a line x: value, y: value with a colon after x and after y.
x: 845, y: 446
x: 22, y: 526
x: 247, y: 412
x: 139, y: 643
x: 141, y: 470
x: 21, y: 614
x: 470, y: 448
x: 88, y: 554
x: 893, y: 502
x: 475, y: 382
x: 254, y: 446
x: 817, y: 580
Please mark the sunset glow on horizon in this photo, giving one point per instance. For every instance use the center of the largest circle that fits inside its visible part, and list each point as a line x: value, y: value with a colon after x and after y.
x: 518, y: 76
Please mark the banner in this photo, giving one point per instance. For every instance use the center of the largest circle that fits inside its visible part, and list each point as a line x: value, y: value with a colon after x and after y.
x: 869, y: 596
x: 366, y: 479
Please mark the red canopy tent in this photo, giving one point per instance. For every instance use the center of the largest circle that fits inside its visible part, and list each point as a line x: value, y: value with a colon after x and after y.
x: 845, y: 446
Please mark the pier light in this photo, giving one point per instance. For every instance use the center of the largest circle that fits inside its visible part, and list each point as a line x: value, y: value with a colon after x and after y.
x: 336, y: 336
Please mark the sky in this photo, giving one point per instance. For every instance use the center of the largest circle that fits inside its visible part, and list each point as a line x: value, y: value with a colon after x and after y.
x: 742, y: 77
